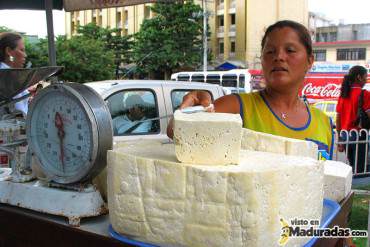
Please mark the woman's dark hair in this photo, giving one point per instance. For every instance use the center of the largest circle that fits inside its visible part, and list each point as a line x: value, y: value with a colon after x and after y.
x: 10, y: 40
x: 351, y: 78
x: 302, y: 32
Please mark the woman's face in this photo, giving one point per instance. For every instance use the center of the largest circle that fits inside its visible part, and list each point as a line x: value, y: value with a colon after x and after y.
x: 363, y: 79
x: 284, y: 59
x: 19, y: 54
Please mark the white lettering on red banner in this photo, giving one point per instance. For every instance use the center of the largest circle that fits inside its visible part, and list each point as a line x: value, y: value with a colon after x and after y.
x: 330, y: 90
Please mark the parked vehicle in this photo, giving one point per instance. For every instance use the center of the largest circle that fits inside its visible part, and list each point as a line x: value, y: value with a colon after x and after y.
x: 236, y: 79
x: 328, y: 107
x: 156, y: 99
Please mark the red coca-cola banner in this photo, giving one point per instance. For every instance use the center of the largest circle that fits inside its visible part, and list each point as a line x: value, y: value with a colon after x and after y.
x: 316, y: 86
x: 325, y: 86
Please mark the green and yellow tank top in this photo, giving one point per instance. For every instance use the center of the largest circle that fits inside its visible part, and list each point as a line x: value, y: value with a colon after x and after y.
x: 257, y: 115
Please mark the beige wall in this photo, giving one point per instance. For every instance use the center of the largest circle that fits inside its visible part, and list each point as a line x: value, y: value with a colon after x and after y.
x: 252, y: 18
x: 331, y: 53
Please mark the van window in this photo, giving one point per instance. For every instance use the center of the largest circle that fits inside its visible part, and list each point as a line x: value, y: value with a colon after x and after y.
x: 197, y: 77
x: 213, y: 78
x: 320, y: 106
x: 131, y: 111
x: 177, y: 95
x: 330, y: 107
x: 183, y: 77
x: 229, y: 80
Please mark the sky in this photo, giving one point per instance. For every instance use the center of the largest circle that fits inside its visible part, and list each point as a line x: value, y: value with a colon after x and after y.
x: 34, y: 22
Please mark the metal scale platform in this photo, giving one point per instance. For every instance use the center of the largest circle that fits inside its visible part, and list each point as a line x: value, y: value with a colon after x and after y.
x: 66, y: 136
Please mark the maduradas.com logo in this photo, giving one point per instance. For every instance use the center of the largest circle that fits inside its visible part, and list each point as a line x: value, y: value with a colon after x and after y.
x: 303, y: 228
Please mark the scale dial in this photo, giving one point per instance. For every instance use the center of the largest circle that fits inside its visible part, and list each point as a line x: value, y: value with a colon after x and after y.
x: 69, y: 129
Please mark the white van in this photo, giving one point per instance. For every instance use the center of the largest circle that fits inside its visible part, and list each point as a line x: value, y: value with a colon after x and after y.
x: 156, y: 99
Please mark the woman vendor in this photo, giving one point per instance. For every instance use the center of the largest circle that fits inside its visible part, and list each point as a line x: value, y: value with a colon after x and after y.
x: 286, y: 57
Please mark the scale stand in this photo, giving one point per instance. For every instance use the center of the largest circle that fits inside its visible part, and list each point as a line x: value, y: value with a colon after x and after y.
x: 39, y: 196
x: 74, y: 202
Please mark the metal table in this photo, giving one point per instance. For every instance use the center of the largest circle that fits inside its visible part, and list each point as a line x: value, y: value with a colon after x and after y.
x: 25, y: 228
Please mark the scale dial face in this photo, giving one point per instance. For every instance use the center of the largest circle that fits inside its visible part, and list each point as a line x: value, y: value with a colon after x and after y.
x: 63, y: 133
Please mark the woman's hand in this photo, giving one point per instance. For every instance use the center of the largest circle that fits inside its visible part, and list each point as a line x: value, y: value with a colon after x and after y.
x: 196, y: 98
x: 193, y: 98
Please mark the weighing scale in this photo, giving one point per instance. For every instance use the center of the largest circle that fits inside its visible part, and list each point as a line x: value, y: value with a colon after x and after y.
x: 69, y: 131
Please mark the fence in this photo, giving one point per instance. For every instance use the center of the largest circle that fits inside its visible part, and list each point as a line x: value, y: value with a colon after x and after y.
x: 356, y: 150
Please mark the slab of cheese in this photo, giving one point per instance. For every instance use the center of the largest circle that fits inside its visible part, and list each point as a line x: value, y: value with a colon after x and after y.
x: 154, y: 198
x: 258, y: 141
x: 337, y: 180
x: 207, y: 138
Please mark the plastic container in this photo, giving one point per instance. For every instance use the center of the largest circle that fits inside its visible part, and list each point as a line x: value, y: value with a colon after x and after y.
x: 330, y: 210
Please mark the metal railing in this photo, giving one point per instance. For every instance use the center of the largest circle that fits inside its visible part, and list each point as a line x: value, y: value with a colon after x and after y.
x: 356, y: 150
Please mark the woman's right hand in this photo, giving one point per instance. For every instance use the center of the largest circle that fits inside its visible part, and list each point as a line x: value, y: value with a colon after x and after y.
x: 191, y: 99
x: 196, y: 98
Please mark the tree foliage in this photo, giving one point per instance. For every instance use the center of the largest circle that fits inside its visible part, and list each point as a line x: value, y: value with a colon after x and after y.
x: 170, y: 40
x: 93, y: 54
x: 113, y: 41
x: 84, y: 59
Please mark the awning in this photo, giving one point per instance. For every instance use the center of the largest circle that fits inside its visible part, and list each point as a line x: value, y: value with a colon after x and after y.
x: 231, y: 64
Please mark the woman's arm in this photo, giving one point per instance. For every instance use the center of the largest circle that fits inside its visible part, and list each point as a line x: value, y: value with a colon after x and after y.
x: 226, y: 104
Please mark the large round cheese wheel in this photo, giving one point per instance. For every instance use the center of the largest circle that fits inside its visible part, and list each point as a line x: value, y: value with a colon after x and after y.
x: 154, y: 198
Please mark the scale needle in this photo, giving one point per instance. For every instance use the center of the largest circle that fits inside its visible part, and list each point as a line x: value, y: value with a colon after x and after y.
x: 59, y: 125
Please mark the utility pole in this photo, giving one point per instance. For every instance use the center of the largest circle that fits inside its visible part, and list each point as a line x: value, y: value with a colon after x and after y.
x: 205, y: 38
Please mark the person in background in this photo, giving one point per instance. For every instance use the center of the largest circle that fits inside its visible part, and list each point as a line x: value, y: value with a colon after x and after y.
x: 347, y: 108
x: 13, y: 55
x: 134, y: 121
x: 286, y: 57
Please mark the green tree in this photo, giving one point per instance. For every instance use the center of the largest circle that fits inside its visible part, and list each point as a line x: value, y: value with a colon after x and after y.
x: 113, y: 41
x: 84, y: 59
x: 5, y: 29
x: 172, y: 39
x: 37, y: 53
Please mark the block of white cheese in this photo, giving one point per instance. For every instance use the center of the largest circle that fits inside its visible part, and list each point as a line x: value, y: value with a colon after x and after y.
x: 207, y: 138
x: 258, y: 141
x: 337, y: 180
x: 154, y: 198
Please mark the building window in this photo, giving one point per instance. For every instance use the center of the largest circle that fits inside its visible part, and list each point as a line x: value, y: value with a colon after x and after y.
x: 220, y: 21
x: 73, y: 27
x: 333, y: 36
x: 118, y: 20
x: 351, y: 54
x: 147, y: 12
x: 355, y: 35
x: 319, y: 55
x: 232, y: 46
x: 221, y: 47
x: 233, y: 19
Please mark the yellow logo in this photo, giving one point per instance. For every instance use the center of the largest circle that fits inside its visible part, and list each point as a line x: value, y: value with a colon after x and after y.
x: 285, y: 232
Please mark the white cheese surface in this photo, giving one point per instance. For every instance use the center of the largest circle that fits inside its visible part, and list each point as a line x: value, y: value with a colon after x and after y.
x: 258, y: 141
x: 207, y: 138
x: 156, y: 199
x: 337, y: 180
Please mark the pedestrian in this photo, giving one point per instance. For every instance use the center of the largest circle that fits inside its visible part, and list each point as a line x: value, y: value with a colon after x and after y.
x: 347, y: 109
x: 13, y: 56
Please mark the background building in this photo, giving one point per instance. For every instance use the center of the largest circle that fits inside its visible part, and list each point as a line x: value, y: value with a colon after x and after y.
x: 237, y: 26
x: 343, y: 44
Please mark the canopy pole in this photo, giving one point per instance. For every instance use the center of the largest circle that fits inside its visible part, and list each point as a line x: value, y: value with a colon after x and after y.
x: 50, y: 28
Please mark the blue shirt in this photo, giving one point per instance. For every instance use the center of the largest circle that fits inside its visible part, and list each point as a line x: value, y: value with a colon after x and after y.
x: 23, y: 104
